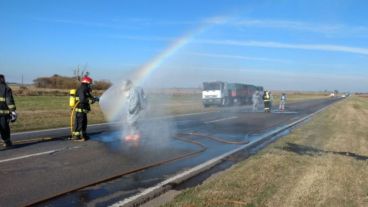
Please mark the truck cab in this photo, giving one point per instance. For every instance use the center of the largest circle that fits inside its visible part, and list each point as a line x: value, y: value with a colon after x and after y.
x: 214, y: 93
x: 224, y: 94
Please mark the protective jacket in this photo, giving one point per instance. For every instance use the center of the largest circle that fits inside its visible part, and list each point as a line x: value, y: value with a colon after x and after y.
x: 266, y: 96
x: 135, y: 101
x: 267, y: 100
x: 7, y: 104
x: 85, y: 98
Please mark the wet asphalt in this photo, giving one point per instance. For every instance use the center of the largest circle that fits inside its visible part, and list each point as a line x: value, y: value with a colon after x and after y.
x: 38, y: 170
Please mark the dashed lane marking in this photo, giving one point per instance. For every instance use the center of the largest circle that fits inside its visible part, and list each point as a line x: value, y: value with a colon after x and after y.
x: 219, y: 120
x: 284, y: 112
x: 36, y: 154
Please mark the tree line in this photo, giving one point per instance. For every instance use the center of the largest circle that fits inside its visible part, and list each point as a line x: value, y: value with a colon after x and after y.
x: 63, y: 82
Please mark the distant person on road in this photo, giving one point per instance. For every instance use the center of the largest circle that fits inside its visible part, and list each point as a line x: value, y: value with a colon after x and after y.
x: 282, y: 102
x: 7, y: 111
x: 267, y: 101
x: 255, y: 100
x: 84, y: 99
x: 135, y: 102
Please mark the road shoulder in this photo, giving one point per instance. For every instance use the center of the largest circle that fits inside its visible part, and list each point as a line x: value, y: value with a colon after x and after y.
x: 321, y: 163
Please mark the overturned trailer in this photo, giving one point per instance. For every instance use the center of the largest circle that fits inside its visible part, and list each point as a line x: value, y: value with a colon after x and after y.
x: 226, y: 94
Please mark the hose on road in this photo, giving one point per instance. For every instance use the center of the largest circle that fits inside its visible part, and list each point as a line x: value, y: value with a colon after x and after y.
x: 214, y: 138
x: 201, y: 149
x: 185, y: 137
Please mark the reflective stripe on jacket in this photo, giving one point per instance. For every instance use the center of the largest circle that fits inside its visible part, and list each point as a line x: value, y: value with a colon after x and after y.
x: 6, y: 99
x: 81, y: 110
x: 84, y: 97
x: 4, y: 112
x: 266, y: 96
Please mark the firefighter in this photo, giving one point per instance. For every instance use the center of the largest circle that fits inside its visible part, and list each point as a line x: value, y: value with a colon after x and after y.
x: 135, y: 104
x: 282, y: 102
x: 84, y: 99
x: 267, y: 101
x: 7, y: 111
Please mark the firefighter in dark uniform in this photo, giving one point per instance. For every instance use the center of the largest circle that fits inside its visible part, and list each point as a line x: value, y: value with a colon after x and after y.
x: 267, y: 101
x: 84, y: 99
x: 7, y: 111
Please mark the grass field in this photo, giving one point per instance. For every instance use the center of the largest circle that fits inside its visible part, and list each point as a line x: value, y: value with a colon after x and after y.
x: 323, y: 163
x: 43, y: 112
x: 295, y: 97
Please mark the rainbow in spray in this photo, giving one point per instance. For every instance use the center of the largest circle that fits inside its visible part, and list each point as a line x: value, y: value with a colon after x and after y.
x: 146, y: 70
x: 113, y: 110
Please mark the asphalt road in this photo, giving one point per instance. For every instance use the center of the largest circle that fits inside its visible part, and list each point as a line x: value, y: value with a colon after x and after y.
x: 36, y: 170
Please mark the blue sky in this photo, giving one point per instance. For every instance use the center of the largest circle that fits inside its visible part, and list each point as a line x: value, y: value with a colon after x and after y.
x: 286, y: 44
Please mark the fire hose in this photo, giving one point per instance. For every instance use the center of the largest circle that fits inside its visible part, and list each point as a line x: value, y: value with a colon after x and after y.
x: 201, y: 149
x: 179, y: 136
x: 72, y: 118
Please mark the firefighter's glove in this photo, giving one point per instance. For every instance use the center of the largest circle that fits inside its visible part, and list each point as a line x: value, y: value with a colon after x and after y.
x: 13, y: 116
x: 96, y: 99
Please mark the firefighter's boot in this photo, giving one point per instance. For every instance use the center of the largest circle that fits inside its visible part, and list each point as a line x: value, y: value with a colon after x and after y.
x: 75, y: 136
x: 8, y: 144
x: 84, y: 138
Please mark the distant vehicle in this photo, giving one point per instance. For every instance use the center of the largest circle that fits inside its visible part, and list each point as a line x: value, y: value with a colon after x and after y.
x: 225, y: 94
x: 332, y: 95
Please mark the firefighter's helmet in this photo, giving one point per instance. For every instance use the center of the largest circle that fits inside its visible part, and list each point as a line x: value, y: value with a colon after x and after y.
x: 87, y: 80
x: 127, y: 85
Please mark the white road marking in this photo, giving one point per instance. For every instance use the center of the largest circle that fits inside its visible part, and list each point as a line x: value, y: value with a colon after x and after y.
x: 36, y: 154
x: 57, y: 129
x: 224, y: 119
x: 284, y: 112
x: 27, y: 156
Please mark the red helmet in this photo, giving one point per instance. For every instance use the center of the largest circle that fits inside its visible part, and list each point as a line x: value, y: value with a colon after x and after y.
x: 87, y: 80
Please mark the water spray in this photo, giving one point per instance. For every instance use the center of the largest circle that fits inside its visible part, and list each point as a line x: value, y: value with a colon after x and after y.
x: 114, y: 103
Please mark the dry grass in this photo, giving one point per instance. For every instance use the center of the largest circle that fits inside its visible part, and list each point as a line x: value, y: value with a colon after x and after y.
x: 297, y: 97
x: 323, y: 163
x: 31, y: 90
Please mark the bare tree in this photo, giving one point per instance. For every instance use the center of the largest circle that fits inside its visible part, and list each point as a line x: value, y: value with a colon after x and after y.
x: 79, y: 73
